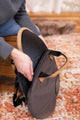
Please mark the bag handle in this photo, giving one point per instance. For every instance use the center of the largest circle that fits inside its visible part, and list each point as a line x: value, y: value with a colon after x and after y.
x: 57, y: 54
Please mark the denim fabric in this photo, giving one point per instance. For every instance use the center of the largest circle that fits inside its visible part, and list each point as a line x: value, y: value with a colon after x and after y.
x: 9, y: 28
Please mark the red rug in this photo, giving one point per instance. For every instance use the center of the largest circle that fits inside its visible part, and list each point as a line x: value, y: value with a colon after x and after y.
x: 68, y: 100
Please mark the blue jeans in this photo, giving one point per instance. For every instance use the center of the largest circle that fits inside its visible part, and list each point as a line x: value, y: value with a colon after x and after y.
x: 9, y: 28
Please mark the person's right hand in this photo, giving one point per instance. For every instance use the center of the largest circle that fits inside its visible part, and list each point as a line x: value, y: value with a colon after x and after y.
x: 23, y: 63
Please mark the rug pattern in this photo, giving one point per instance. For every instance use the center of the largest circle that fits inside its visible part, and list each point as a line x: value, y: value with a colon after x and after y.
x: 68, y: 99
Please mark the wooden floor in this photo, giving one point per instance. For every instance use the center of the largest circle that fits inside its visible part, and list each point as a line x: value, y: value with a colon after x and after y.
x: 7, y: 75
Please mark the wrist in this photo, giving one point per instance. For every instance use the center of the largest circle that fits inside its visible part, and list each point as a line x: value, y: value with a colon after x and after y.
x: 13, y: 53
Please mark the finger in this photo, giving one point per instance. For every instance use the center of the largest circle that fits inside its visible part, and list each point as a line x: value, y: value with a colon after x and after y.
x: 28, y: 75
x: 31, y: 70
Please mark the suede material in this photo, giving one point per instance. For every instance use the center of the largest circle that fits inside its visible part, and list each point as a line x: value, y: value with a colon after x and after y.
x: 41, y: 97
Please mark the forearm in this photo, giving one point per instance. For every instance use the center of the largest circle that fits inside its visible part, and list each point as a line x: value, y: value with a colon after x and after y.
x: 25, y: 21
x: 5, y: 48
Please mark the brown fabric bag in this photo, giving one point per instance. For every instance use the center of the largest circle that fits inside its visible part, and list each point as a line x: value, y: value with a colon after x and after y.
x: 41, y: 93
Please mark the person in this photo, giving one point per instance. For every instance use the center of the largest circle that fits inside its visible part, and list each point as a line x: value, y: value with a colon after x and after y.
x: 13, y: 16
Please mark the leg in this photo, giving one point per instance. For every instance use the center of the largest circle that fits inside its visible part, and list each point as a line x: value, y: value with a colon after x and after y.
x: 9, y: 28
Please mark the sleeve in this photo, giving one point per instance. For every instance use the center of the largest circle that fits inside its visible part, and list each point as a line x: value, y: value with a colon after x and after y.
x: 24, y: 20
x: 5, y: 48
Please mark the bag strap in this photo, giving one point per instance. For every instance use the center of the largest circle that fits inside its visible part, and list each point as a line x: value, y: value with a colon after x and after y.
x: 57, y: 54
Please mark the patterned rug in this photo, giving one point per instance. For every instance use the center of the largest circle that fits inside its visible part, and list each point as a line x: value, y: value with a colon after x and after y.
x: 68, y: 99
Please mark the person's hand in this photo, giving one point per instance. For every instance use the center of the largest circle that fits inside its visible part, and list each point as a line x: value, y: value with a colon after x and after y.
x: 23, y: 63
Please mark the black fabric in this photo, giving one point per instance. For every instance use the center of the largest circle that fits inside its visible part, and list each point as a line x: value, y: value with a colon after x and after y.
x: 17, y: 101
x: 24, y: 84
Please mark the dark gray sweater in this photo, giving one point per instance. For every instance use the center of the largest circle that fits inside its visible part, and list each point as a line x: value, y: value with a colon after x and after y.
x: 14, y: 9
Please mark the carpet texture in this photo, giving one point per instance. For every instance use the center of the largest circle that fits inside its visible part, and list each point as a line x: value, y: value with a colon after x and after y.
x: 68, y: 99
